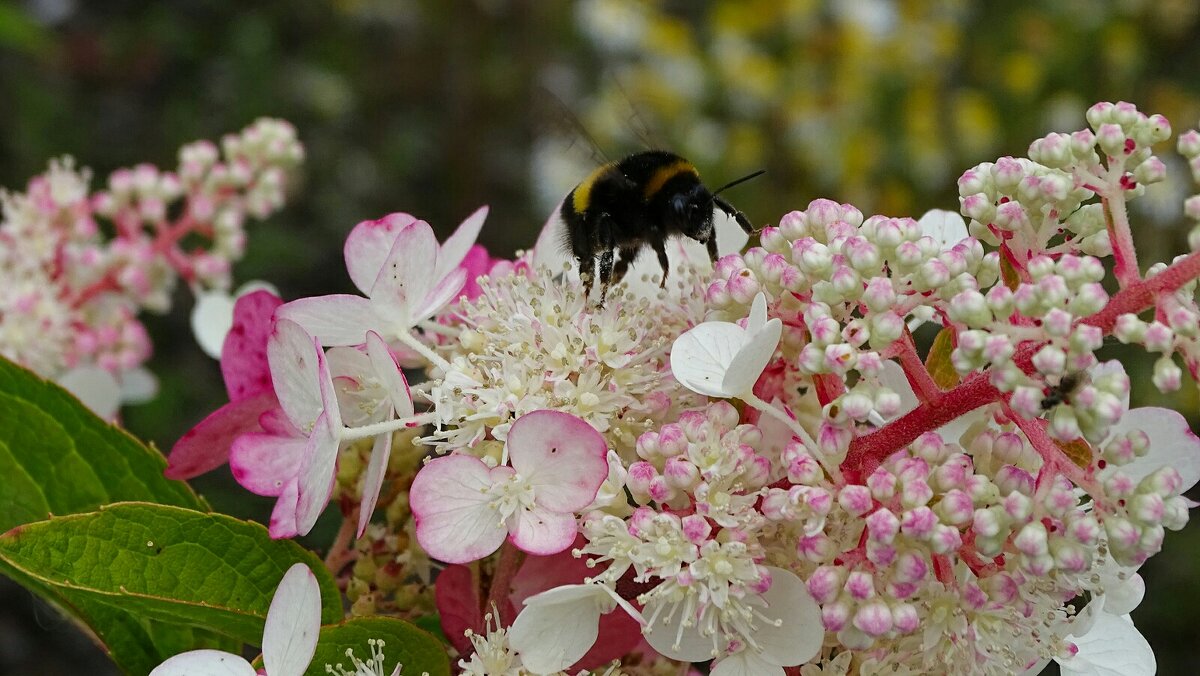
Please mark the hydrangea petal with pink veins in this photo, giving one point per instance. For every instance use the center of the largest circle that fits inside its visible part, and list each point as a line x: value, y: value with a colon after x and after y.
x: 451, y: 507
x: 402, y: 290
x: 563, y: 456
x: 721, y: 359
x: 306, y: 394
x: 463, y: 510
x: 289, y: 635
x: 367, y: 247
x: 797, y: 640
x: 542, y: 531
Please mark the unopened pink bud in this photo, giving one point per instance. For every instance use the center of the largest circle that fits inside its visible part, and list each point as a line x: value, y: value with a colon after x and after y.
x: 835, y: 616
x: 874, y: 619
x: 855, y: 499
x: 883, y: 526
x: 860, y: 585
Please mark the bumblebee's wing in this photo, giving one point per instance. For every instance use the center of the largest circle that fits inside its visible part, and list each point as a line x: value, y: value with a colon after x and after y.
x: 634, y: 119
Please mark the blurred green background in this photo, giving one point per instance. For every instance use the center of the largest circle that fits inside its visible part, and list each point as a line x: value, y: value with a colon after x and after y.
x: 435, y: 107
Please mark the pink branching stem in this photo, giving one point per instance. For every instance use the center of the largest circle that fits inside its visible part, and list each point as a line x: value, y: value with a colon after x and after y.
x: 166, y: 237
x: 1125, y: 265
x: 868, y: 451
x: 507, y: 566
x: 914, y: 370
x: 1054, y: 461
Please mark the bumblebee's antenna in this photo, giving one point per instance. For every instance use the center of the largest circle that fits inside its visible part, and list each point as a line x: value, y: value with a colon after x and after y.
x: 743, y: 179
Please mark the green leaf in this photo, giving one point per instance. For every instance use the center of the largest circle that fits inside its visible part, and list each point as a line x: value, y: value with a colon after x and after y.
x: 57, y: 457
x: 130, y: 567
x: 938, y: 363
x: 404, y: 643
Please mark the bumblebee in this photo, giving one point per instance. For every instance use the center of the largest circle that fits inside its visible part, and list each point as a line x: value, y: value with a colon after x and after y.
x: 1068, y: 385
x: 636, y: 202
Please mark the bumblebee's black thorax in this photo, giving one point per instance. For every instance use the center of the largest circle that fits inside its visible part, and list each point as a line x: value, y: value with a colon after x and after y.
x: 632, y: 195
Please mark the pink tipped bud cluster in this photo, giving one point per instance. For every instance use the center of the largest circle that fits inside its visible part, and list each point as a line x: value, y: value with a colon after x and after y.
x: 70, y: 295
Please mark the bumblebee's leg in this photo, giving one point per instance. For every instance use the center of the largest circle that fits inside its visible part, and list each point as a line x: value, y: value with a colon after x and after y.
x: 606, y: 268
x: 737, y: 215
x: 628, y: 255
x: 711, y: 244
x: 661, y: 249
x: 587, y: 273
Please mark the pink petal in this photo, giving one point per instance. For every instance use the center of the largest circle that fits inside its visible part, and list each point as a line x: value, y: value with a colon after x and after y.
x: 264, y: 463
x: 456, y: 246
x: 293, y: 623
x: 407, y: 275
x: 477, y: 262
x: 390, y: 375
x: 295, y: 359
x: 541, y: 531
x: 373, y: 481
x: 204, y: 663
x: 367, y: 246
x: 454, y: 520
x: 206, y: 446
x: 338, y: 319
x: 275, y: 421
x: 561, y: 455
x: 459, y: 607
x: 317, y: 473
x: 283, y: 517
x: 244, y: 354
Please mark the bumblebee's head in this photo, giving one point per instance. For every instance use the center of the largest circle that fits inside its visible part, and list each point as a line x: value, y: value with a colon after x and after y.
x: 691, y: 213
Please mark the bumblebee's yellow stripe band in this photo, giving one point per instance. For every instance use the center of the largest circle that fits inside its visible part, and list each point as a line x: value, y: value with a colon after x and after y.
x: 663, y: 174
x: 583, y: 191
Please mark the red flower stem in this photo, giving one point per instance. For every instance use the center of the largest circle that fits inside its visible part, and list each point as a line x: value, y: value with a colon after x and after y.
x: 507, y: 566
x: 914, y: 369
x: 868, y: 451
x: 1055, y: 462
x: 342, y: 551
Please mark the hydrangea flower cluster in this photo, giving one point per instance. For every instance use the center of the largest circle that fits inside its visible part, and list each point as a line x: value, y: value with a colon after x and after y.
x: 864, y: 445
x: 70, y: 294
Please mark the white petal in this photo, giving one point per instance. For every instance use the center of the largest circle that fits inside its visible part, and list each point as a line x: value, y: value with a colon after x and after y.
x: 381, y: 450
x: 1123, y: 597
x: 947, y: 228
x: 204, y: 663
x: 96, y: 388
x: 212, y: 317
x: 293, y: 623
x: 1113, y: 647
x: 730, y: 236
x: 799, y: 637
x: 138, y: 386
x: 745, y: 663
x: 750, y: 361
x: 758, y: 314
x: 557, y: 627
x: 701, y: 357
x: 551, y: 250
x: 406, y: 277
x: 692, y: 646
x: 317, y: 474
